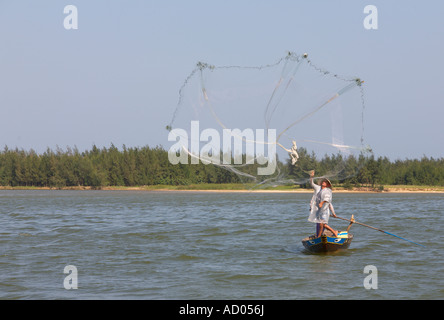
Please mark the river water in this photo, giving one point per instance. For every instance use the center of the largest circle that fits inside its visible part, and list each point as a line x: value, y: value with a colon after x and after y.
x: 190, y: 245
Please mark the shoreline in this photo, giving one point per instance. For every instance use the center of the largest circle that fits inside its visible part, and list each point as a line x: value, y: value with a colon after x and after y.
x: 387, y: 189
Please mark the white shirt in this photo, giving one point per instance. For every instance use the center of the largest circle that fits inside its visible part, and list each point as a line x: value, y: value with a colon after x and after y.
x: 320, y: 215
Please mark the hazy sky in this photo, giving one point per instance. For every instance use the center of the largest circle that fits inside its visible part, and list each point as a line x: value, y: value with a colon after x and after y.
x: 116, y: 78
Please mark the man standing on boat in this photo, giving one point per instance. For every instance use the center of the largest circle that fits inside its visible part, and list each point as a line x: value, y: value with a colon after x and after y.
x: 321, y: 205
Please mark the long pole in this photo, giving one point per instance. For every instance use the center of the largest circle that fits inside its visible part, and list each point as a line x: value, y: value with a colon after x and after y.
x: 365, y: 225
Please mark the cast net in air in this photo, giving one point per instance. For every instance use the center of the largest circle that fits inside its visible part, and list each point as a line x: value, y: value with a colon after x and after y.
x: 271, y: 124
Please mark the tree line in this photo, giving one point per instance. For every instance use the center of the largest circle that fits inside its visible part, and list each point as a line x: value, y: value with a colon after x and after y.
x: 376, y: 172
x: 139, y: 166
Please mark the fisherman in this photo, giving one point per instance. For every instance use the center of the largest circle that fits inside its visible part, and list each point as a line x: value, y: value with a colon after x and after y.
x: 320, y: 205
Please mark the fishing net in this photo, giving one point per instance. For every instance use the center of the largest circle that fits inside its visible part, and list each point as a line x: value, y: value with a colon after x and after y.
x: 271, y: 124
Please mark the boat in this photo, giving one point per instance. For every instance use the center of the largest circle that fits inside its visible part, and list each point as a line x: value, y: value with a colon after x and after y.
x: 327, y: 242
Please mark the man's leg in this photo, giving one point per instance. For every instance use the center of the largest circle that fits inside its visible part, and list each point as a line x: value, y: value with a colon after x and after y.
x: 319, y: 229
x: 331, y: 229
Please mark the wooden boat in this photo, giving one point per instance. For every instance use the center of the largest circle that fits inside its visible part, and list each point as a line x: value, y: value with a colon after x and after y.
x: 327, y: 242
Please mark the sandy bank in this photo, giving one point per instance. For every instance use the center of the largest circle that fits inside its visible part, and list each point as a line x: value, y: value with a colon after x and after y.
x: 387, y: 189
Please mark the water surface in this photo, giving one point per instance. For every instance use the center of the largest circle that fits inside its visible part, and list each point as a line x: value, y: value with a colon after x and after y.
x: 185, y: 245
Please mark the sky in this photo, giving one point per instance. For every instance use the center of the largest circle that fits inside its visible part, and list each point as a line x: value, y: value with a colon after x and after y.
x: 115, y: 79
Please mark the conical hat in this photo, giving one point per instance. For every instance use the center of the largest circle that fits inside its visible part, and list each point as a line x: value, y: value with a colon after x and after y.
x: 326, y: 180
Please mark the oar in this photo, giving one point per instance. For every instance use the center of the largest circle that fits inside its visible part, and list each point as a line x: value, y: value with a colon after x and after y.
x: 365, y: 225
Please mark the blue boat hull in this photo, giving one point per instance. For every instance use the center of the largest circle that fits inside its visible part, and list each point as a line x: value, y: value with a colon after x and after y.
x: 326, y: 243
